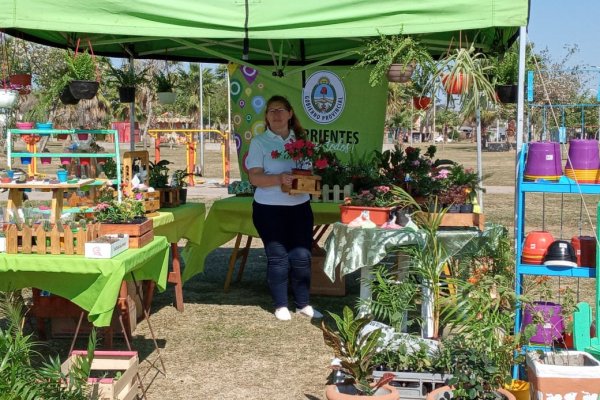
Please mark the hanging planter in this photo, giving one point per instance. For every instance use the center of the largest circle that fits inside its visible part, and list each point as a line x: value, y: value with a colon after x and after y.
x: 66, y: 97
x: 453, y: 84
x: 46, y: 160
x: 507, y: 93
x: 8, y: 98
x: 20, y: 82
x: 421, y: 103
x: 83, y: 89
x: 166, y: 97
x: 127, y: 94
x: 84, y: 161
x: 101, y: 160
x: 400, y: 73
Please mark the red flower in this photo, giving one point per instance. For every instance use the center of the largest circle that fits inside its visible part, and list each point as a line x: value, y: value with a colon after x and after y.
x: 321, y: 163
x: 275, y: 154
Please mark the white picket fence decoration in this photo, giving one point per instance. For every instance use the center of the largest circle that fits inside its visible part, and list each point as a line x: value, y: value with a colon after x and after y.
x: 335, y: 194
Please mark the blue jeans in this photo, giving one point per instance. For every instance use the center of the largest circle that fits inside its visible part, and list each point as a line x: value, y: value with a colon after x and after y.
x: 286, y: 232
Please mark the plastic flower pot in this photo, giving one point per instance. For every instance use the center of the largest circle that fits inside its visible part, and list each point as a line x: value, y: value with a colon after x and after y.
x: 10, y: 173
x: 84, y: 161
x: 101, y: 160
x: 24, y: 125
x: 82, y: 136
x: 62, y: 136
x: 46, y: 160
x: 65, y: 160
x: 61, y: 174
x: 25, y: 160
x: 5, y: 180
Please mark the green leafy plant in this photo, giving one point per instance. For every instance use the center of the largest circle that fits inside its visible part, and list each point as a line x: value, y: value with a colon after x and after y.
x: 110, y: 168
x: 392, y: 49
x: 163, y: 82
x: 354, y: 348
x: 80, y: 66
x: 126, y: 76
x: 178, y: 179
x: 507, y: 68
x: 159, y: 174
x: 364, y: 173
x: 115, y: 212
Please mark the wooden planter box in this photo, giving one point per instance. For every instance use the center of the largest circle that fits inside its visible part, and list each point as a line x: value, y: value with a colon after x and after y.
x: 139, y: 234
x: 415, y: 385
x: 169, y: 197
x: 320, y: 284
x: 379, y: 215
x: 566, y: 374
x: 151, y: 203
x: 109, y: 388
x: 59, y: 240
x: 463, y: 220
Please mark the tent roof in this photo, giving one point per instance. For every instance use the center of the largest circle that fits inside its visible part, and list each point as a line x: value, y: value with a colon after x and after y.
x: 279, y: 32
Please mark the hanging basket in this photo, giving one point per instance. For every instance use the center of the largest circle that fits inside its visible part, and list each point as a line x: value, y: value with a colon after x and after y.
x: 66, y: 97
x: 127, y: 94
x: 20, y: 82
x: 84, y: 89
x: 400, y: 73
x: 421, y: 103
x: 453, y: 84
x: 166, y: 97
x: 8, y: 98
x: 507, y: 93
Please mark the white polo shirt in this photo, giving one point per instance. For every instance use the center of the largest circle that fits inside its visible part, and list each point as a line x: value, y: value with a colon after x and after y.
x: 259, y: 156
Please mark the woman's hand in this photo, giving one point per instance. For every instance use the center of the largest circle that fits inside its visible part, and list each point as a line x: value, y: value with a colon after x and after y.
x: 286, y: 179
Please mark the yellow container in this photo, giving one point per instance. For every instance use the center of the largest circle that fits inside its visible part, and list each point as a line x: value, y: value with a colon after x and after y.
x: 519, y: 388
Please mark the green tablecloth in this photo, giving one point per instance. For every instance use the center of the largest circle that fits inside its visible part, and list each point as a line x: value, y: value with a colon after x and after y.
x: 230, y: 216
x: 92, y: 284
x: 355, y: 248
x: 185, y: 221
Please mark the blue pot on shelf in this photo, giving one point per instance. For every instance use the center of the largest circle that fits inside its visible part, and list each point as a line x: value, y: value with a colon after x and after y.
x: 26, y: 160
x: 61, y: 174
x: 44, y: 126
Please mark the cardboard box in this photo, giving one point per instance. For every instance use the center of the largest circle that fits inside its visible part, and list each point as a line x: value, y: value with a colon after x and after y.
x: 107, y: 246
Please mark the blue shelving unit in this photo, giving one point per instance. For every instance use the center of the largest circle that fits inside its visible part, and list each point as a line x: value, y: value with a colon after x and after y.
x: 565, y: 186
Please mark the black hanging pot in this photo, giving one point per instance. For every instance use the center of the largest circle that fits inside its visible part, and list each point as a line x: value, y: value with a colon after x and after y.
x: 66, y: 97
x: 560, y: 252
x: 507, y: 93
x: 84, y: 89
x: 127, y: 94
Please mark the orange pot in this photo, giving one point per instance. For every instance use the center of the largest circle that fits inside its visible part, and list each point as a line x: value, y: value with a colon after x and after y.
x: 421, y: 103
x: 453, y: 84
x: 379, y: 215
x: 535, y: 246
x: 332, y: 393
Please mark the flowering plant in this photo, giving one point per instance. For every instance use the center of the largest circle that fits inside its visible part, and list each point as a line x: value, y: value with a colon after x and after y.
x: 379, y: 196
x: 304, y: 153
x: 111, y: 211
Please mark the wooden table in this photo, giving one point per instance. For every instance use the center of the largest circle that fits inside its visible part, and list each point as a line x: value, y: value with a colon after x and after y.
x: 15, y: 195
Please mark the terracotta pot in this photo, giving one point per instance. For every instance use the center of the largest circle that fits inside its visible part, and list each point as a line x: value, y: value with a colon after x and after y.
x: 444, y: 392
x: 453, y: 85
x: 389, y: 393
x: 400, y: 73
x: 379, y: 215
x: 421, y: 103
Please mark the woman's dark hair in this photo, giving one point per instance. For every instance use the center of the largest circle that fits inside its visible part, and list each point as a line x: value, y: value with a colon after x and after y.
x: 294, y: 122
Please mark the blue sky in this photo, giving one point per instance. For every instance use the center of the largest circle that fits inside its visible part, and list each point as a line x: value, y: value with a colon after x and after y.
x: 556, y: 23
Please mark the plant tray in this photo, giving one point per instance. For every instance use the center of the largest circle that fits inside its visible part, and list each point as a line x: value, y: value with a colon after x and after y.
x: 110, y: 388
x: 379, y: 215
x: 415, y: 385
x: 139, y: 234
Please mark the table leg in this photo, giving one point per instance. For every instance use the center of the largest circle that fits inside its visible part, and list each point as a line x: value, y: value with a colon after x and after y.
x: 175, y: 277
x: 232, y: 259
x: 14, y: 203
x: 57, y: 205
x: 245, y: 253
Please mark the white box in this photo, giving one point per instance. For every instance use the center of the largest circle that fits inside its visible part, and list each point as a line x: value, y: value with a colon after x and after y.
x: 2, y: 244
x: 107, y: 246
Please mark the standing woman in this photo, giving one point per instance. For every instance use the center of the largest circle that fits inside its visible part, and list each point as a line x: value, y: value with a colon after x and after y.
x: 283, y: 221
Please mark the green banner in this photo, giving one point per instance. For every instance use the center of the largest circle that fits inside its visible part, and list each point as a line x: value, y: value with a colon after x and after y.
x: 336, y: 106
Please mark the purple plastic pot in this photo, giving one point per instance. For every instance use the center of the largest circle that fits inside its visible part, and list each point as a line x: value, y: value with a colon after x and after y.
x: 583, y: 154
x: 543, y: 161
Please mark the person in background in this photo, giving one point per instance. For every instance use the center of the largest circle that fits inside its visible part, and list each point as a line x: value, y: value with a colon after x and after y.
x: 283, y: 221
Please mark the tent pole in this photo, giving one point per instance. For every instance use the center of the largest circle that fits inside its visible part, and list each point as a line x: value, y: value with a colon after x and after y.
x: 201, y: 134
x: 131, y: 116
x: 520, y: 113
x: 229, y: 132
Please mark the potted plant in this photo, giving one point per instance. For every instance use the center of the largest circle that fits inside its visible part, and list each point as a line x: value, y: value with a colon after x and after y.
x: 164, y: 88
x: 394, y: 55
x: 355, y: 348
x: 421, y: 86
x: 378, y: 201
x: 465, y: 71
x: 126, y: 79
x: 81, y: 75
x: 159, y: 174
x: 179, y: 182
x: 507, y: 76
x: 126, y: 216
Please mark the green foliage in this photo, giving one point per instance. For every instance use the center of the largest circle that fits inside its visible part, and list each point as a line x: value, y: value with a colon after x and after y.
x: 116, y: 212
x: 391, y: 298
x: 126, y: 76
x: 80, y: 66
x: 163, y: 82
x: 354, y: 348
x: 337, y: 173
x: 392, y: 49
x: 412, y: 355
x: 110, y: 168
x: 178, y: 181
x: 20, y: 379
x: 159, y: 174
x: 363, y: 172
x: 507, y: 68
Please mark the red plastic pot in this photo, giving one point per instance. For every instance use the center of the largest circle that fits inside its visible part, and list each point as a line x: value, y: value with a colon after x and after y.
x: 453, y: 84
x: 421, y: 103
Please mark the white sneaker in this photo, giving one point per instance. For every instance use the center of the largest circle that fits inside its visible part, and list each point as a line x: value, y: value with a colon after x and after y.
x: 310, y: 312
x: 283, y: 314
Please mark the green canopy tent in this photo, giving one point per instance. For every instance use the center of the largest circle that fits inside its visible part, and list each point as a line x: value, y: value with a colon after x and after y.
x: 283, y: 35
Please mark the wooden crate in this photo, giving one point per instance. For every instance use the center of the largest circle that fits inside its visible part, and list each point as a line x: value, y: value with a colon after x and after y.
x: 169, y: 197
x: 139, y: 234
x: 463, y: 220
x: 310, y: 184
x: 320, y: 284
x: 109, y: 388
x: 59, y: 240
x: 151, y: 203
x: 132, y: 159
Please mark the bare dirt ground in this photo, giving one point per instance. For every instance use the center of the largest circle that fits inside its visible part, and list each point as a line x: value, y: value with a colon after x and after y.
x: 229, y: 345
